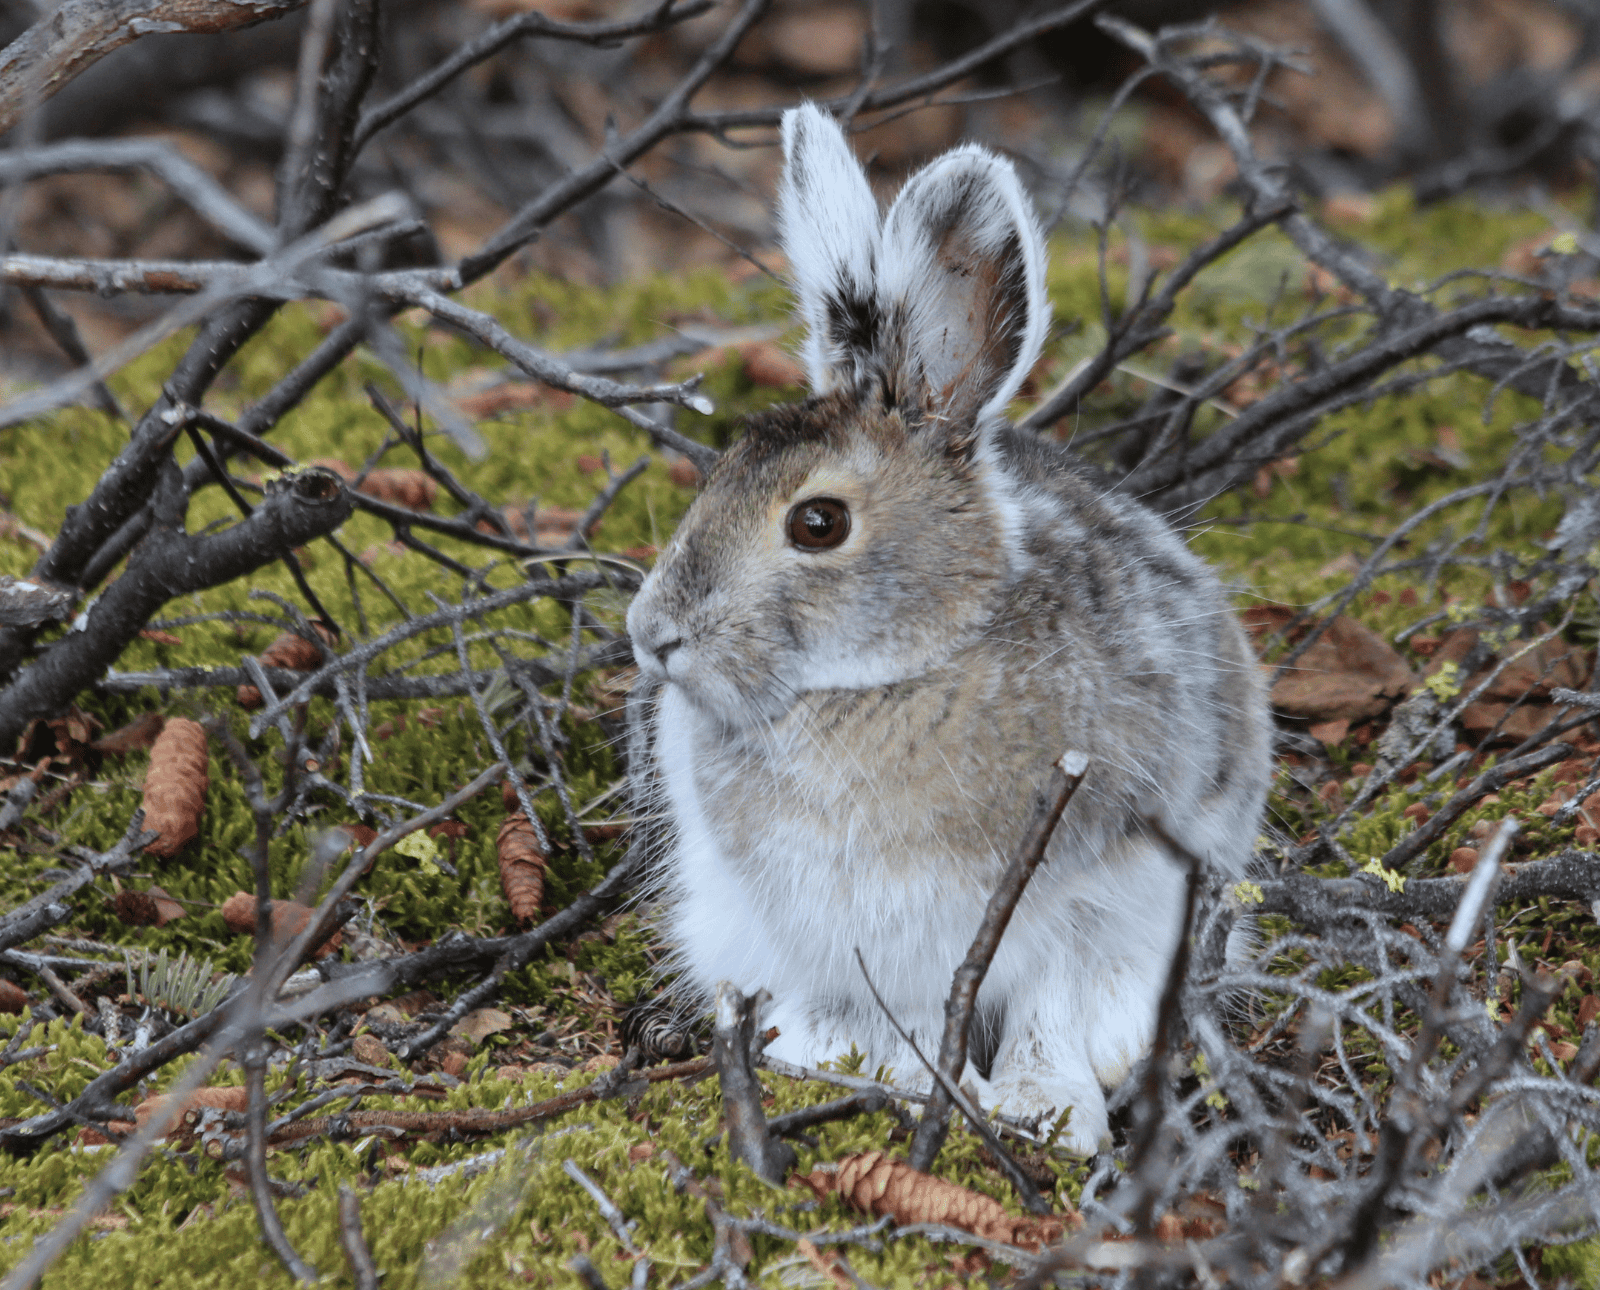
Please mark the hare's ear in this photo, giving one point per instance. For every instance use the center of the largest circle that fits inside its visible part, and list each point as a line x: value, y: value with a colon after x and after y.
x: 830, y: 227
x: 962, y: 272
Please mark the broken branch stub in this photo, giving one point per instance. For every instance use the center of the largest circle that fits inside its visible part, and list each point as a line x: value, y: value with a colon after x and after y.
x: 749, y: 1139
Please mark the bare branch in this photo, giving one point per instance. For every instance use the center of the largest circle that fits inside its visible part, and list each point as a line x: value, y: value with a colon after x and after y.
x: 78, y: 33
x: 497, y: 37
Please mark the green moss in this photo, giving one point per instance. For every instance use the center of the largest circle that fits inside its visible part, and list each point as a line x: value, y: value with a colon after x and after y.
x: 1578, y: 1263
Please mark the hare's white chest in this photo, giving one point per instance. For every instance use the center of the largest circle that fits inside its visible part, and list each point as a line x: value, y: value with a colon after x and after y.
x: 794, y: 849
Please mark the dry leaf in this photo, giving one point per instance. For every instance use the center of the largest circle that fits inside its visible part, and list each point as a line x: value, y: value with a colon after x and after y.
x: 289, y: 919
x: 480, y: 1023
x: 877, y: 1185
x: 1527, y: 257
x: 1329, y: 733
x: 1341, y: 566
x: 1351, y: 673
x: 64, y: 739
x: 552, y: 525
x: 827, y: 1265
x: 818, y: 39
x: 168, y: 910
x: 1530, y: 678
x: 766, y: 363
x: 175, y: 785
x: 413, y: 489
x: 1478, y: 719
x: 232, y: 1098
x: 512, y: 396
x: 139, y: 733
x: 1551, y: 663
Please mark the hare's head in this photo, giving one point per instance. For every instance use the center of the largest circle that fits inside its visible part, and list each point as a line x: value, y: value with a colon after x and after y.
x: 860, y: 537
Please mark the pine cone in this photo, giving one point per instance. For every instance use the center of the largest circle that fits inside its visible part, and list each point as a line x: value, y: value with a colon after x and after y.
x: 409, y: 488
x: 521, y: 866
x: 175, y: 785
x: 137, y: 908
x: 877, y: 1185
x: 151, y: 908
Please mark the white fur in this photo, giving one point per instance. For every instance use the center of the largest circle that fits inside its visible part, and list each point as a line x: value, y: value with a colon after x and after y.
x: 829, y: 221
x: 1079, y: 971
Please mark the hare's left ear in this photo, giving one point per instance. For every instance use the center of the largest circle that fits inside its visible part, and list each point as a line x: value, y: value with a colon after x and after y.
x: 829, y: 222
x: 962, y: 272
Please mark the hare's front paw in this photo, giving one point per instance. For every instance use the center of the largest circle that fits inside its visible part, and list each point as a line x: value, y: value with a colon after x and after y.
x: 1045, y: 1095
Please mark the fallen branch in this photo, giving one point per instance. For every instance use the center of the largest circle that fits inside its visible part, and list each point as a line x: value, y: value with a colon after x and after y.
x: 171, y: 563
x: 473, y: 1120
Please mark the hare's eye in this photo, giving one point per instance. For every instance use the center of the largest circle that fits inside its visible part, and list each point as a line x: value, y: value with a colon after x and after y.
x: 818, y: 524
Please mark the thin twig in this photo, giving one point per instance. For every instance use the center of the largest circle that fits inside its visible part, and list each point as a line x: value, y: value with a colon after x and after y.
x: 1065, y: 776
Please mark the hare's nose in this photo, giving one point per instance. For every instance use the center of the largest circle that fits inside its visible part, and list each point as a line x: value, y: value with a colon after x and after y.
x: 664, y: 650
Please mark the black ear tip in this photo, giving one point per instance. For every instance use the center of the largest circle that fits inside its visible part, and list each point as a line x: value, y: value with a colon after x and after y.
x: 855, y: 322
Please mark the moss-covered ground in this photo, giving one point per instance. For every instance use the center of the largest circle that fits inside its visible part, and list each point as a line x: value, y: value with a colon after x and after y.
x: 187, y: 1221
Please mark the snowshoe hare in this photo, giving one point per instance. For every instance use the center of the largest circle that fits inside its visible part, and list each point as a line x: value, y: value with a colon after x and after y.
x: 883, y: 619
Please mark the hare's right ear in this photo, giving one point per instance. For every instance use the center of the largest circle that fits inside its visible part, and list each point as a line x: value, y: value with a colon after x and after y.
x: 830, y: 227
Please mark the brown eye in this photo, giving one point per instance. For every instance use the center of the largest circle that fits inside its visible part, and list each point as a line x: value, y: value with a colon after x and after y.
x: 821, y: 523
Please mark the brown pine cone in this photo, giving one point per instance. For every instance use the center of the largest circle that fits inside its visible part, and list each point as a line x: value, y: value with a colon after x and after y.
x: 175, y: 785
x: 877, y: 1185
x: 409, y: 488
x: 152, y: 908
x: 521, y: 866
x: 137, y: 908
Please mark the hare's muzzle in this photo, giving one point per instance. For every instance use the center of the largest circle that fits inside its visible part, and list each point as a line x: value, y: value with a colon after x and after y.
x: 656, y: 637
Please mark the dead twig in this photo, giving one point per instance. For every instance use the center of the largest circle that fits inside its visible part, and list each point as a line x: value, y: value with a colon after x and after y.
x: 733, y: 1033
x: 1065, y: 776
x: 614, y: 1217
x: 78, y: 33
x: 363, y: 1271
x: 1029, y: 1194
